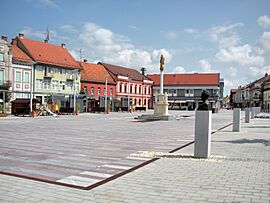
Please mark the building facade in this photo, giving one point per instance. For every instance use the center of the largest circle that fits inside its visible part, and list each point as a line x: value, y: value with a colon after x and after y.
x: 94, y: 87
x: 21, y: 74
x: 251, y: 94
x: 184, y: 90
x: 5, y: 60
x: 266, y: 94
x: 132, y: 88
x: 56, y: 74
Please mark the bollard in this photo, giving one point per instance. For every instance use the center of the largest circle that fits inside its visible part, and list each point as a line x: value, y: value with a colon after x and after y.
x: 236, y: 119
x: 203, y: 127
x: 252, y: 112
x: 247, y: 115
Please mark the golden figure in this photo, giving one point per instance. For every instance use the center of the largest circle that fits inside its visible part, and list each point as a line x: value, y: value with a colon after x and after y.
x: 162, y: 60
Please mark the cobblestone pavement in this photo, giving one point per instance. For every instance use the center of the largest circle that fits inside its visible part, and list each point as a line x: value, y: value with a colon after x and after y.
x: 82, y: 151
x: 238, y: 172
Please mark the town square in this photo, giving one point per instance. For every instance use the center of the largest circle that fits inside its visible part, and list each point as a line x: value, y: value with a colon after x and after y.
x: 134, y: 101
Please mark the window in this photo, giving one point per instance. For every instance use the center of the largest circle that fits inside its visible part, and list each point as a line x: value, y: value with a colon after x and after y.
x: 85, y: 89
x: 18, y: 76
x: 139, y: 101
x: 92, y: 90
x: 130, y: 89
x: 39, y: 84
x: 18, y: 95
x: 1, y: 57
x: 104, y: 90
x: 69, y: 85
x: 26, y: 78
x: 55, y: 85
x: 120, y: 87
x: 62, y: 85
x: 1, y: 76
x: 111, y: 91
x: 125, y: 88
x: 47, y: 84
x: 189, y: 93
x: 135, y: 89
x: 98, y: 90
x: 77, y: 86
x: 39, y: 68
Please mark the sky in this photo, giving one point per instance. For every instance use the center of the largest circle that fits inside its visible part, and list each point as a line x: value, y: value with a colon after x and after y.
x: 230, y: 37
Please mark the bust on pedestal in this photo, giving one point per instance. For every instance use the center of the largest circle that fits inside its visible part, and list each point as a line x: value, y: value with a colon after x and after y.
x: 203, y: 127
x: 161, y: 105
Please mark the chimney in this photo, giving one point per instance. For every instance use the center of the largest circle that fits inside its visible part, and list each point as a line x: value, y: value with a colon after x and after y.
x: 5, y: 38
x: 266, y: 74
x: 45, y: 41
x: 21, y: 35
x: 14, y: 41
x: 84, y: 60
x: 63, y: 45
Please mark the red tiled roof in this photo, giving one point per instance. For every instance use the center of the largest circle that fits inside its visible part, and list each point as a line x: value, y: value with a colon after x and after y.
x: 187, y: 79
x: 50, y: 54
x: 95, y: 73
x: 123, y: 71
x: 19, y: 55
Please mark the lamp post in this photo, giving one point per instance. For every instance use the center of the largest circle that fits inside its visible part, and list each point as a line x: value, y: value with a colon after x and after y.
x: 106, y: 93
x: 75, y: 91
x: 128, y: 93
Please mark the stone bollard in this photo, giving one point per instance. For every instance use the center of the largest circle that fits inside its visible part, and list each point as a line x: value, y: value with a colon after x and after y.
x: 203, y: 127
x: 252, y: 112
x: 236, y: 119
x: 247, y: 115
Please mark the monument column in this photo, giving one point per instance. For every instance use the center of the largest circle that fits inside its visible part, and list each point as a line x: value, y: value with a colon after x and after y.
x: 161, y: 106
x: 161, y: 82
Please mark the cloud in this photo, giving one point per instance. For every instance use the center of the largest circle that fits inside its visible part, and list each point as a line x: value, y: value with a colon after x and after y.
x: 241, y: 55
x: 232, y: 72
x: 104, y: 45
x: 205, y: 66
x: 28, y: 32
x: 171, y: 35
x: 264, y: 21
x: 179, y: 69
x: 133, y: 27
x: 258, y: 71
x: 68, y: 28
x: 48, y: 3
x: 225, y: 35
x: 190, y: 31
x: 265, y: 40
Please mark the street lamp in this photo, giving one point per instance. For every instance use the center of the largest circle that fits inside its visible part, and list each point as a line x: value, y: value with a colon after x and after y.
x: 106, y: 94
x: 75, y: 90
x: 129, y: 79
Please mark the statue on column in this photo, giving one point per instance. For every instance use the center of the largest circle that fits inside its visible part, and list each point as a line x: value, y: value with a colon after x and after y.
x: 162, y: 61
x: 205, y: 104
